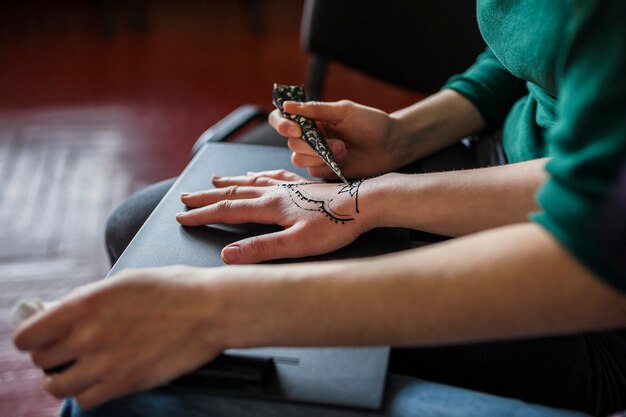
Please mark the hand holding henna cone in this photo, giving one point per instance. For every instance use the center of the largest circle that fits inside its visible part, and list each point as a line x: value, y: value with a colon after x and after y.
x: 310, y: 133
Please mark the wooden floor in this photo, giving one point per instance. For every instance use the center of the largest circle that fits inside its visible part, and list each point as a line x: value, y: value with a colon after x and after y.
x: 86, y: 118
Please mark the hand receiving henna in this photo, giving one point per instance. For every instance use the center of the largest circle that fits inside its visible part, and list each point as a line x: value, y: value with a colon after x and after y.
x: 317, y: 217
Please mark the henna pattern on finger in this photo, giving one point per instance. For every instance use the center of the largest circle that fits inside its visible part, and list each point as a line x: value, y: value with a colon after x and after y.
x: 304, y: 200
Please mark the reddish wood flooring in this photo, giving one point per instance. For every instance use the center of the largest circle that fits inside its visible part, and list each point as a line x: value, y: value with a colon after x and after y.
x: 86, y: 119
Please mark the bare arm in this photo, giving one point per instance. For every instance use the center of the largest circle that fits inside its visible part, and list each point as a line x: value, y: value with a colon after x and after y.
x: 456, y: 203
x: 367, y: 141
x: 434, y: 123
x: 451, y: 203
x: 511, y: 282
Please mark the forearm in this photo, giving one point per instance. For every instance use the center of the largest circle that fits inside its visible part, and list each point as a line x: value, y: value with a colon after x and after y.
x: 454, y: 203
x: 433, y: 124
x: 506, y: 283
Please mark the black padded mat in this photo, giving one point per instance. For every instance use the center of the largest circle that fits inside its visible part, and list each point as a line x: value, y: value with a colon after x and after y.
x: 352, y: 377
x: 163, y: 241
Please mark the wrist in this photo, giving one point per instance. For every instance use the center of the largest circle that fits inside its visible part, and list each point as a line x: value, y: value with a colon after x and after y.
x: 383, y: 200
x: 291, y: 305
x: 402, y: 138
x: 245, y: 306
x: 435, y: 122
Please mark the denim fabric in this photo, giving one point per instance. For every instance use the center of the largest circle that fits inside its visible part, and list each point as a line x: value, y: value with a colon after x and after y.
x: 405, y: 397
x: 124, y: 223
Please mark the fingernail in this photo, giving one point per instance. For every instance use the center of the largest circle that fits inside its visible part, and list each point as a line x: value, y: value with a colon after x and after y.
x: 216, y: 177
x: 184, y: 194
x: 182, y: 213
x: 231, y: 254
x: 250, y: 173
x: 293, y: 131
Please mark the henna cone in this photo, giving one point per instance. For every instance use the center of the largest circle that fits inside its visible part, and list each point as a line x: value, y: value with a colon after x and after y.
x: 310, y: 133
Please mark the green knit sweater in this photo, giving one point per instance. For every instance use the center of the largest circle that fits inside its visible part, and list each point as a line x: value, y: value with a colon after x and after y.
x: 554, y: 76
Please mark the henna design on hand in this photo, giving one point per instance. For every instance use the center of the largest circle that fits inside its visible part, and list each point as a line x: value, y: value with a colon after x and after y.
x: 307, y: 201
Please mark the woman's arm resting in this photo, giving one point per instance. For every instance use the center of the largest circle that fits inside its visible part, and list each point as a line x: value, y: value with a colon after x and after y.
x: 330, y: 216
x: 511, y: 282
x: 160, y: 323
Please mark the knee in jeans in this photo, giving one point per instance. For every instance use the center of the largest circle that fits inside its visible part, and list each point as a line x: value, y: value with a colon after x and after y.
x: 114, y: 235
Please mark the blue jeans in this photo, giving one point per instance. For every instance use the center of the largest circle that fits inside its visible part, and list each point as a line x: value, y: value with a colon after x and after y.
x: 405, y: 397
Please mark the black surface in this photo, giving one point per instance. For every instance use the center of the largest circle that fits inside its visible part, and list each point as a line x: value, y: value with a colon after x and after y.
x: 163, y: 241
x: 340, y: 376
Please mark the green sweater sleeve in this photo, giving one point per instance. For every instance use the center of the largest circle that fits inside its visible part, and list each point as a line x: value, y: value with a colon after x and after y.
x: 490, y: 87
x: 589, y: 141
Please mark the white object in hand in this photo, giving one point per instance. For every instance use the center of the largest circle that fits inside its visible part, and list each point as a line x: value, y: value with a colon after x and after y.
x: 27, y: 308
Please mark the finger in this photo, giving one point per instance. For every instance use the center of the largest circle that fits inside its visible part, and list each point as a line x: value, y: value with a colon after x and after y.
x: 229, y: 212
x: 247, y: 180
x: 80, y: 376
x: 318, y: 110
x: 99, y: 393
x: 298, y: 145
x: 306, y: 161
x: 46, y: 327
x: 279, y: 174
x: 338, y: 148
x: 256, y: 181
x: 58, y: 354
x: 122, y: 382
x: 322, y: 171
x: 207, y: 197
x: 284, y: 126
x: 311, y: 161
x: 266, y: 247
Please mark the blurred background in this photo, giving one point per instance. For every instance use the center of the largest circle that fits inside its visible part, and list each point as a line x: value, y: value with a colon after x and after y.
x: 99, y: 98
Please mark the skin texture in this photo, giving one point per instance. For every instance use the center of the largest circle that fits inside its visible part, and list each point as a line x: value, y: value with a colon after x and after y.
x: 237, y: 201
x: 368, y: 142
x: 302, y: 196
x: 451, y: 203
x: 163, y: 322
x: 308, y: 128
x: 506, y: 278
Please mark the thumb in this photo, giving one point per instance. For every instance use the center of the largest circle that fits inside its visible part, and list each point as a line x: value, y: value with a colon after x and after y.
x: 261, y: 248
x: 318, y: 110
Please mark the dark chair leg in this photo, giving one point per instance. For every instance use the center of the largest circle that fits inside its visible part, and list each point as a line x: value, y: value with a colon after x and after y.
x: 107, y: 16
x: 257, y: 15
x: 315, y: 77
x: 136, y: 12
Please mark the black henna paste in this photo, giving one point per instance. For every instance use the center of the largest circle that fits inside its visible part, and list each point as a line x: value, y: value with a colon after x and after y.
x: 352, y: 188
x: 305, y: 201
x: 310, y: 133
